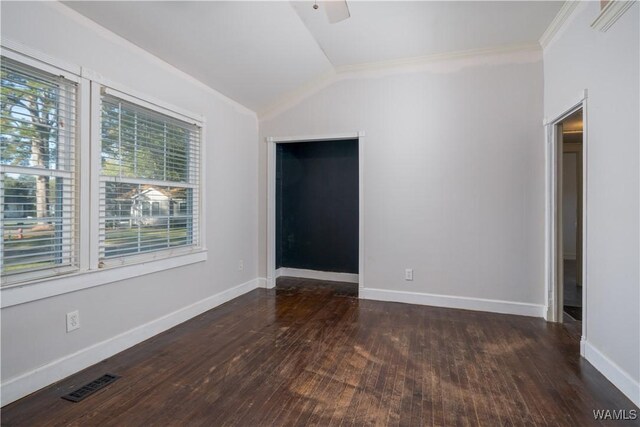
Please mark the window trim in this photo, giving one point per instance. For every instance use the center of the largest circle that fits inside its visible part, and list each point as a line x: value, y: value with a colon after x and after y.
x: 34, y: 290
x: 80, y: 88
x: 21, y: 53
x: 149, y: 104
x: 88, y: 274
x: 99, y: 88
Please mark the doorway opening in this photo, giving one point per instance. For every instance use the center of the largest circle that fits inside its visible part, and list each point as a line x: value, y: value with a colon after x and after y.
x: 571, y: 206
x: 569, y: 218
x: 314, y: 210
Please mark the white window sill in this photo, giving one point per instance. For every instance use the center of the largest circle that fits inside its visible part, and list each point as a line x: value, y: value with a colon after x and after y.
x: 23, y: 293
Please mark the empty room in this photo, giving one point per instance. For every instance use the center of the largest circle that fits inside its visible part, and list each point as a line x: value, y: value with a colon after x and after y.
x: 269, y: 213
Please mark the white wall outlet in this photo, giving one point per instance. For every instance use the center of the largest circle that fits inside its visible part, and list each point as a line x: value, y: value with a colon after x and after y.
x: 408, y: 274
x: 73, y: 321
x: 241, y: 265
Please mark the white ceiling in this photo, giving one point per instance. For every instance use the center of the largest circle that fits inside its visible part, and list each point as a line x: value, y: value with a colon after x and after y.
x: 251, y: 52
x: 257, y: 52
x: 387, y: 30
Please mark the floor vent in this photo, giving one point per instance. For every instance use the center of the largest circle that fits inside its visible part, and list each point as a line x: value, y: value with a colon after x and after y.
x: 88, y: 389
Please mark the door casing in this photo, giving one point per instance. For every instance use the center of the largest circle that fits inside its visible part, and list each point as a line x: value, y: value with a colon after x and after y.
x: 553, y: 217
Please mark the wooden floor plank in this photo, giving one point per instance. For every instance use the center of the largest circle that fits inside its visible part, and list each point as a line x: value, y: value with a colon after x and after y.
x: 312, y: 353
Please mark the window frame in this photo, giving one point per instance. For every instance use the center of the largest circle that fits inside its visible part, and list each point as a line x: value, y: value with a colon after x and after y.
x: 72, y: 175
x: 102, y: 87
x: 89, y: 272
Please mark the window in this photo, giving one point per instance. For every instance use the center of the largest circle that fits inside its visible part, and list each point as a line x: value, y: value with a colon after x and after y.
x: 149, y: 165
x: 91, y: 178
x: 38, y: 233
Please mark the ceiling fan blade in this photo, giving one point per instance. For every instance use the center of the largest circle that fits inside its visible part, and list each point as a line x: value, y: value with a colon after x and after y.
x: 337, y: 10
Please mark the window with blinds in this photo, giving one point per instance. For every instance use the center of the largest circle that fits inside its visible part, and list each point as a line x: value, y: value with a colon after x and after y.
x: 38, y: 233
x: 148, y: 182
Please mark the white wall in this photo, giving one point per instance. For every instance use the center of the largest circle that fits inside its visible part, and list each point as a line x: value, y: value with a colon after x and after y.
x: 453, y: 173
x: 33, y: 334
x: 569, y: 204
x: 606, y: 64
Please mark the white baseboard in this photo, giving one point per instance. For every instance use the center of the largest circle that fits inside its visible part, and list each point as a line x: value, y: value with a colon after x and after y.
x: 17, y: 387
x: 319, y: 275
x: 262, y: 282
x: 621, y: 379
x: 270, y: 282
x: 466, y: 303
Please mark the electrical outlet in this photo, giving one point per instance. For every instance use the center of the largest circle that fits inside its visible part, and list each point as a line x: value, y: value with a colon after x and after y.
x: 73, y: 321
x: 241, y: 265
x: 408, y: 274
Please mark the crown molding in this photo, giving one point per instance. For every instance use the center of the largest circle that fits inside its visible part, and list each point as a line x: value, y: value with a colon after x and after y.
x: 411, y: 64
x: 561, y: 17
x: 420, y: 61
x: 610, y: 14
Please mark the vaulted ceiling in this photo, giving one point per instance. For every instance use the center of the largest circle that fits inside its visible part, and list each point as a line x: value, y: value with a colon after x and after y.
x: 258, y: 52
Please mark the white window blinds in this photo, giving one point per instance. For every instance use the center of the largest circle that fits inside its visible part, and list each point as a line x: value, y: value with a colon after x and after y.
x: 149, y: 182
x: 38, y: 232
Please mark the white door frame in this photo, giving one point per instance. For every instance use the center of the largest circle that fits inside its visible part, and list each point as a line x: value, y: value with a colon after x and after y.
x: 271, y: 197
x: 552, y: 240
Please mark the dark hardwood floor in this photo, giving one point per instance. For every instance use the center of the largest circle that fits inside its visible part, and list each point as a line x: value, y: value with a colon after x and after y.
x: 310, y: 353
